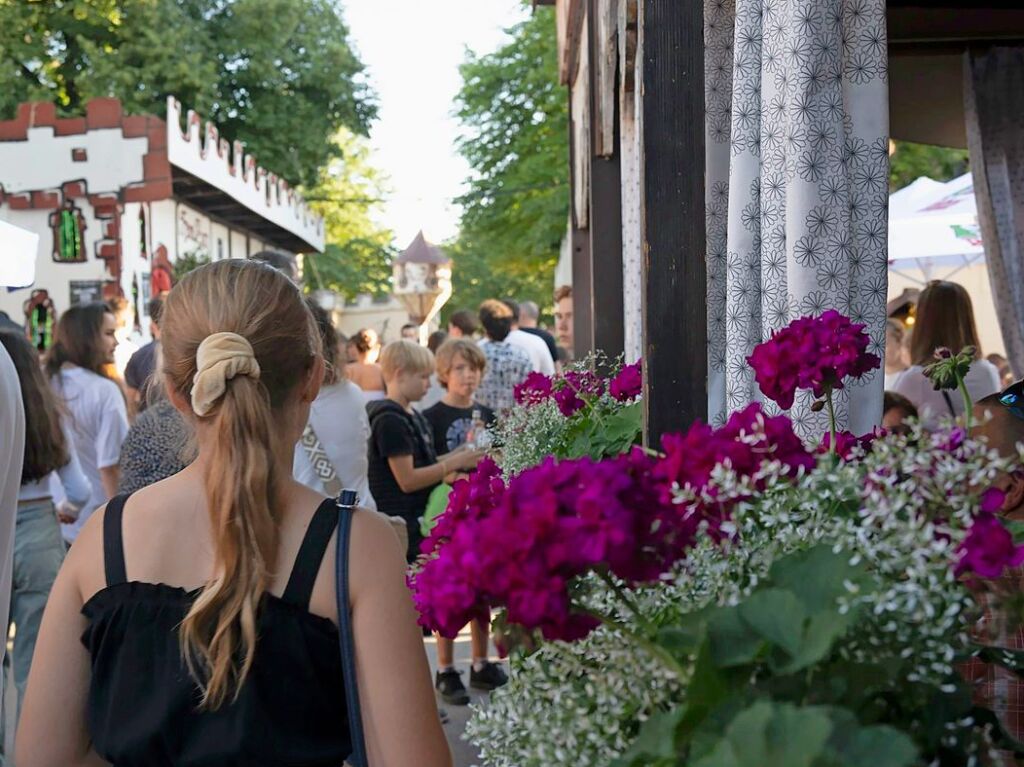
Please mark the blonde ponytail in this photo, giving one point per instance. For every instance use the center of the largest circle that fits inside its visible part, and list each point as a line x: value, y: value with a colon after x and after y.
x: 237, y: 340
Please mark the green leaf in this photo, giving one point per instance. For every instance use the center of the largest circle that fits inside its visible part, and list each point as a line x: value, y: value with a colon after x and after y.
x: 776, y: 615
x: 733, y: 641
x: 655, y: 744
x: 819, y: 635
x: 818, y: 577
x: 1007, y: 657
x: 852, y: 745
x: 777, y: 735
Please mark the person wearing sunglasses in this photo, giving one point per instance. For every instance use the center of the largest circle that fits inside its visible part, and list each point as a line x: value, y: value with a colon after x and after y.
x: 1000, y: 421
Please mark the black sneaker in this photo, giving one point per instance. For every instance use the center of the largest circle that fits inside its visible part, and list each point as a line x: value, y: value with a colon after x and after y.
x: 449, y: 685
x: 490, y: 677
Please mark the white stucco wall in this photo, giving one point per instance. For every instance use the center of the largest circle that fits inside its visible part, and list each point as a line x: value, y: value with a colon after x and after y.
x: 54, y: 277
x: 44, y: 161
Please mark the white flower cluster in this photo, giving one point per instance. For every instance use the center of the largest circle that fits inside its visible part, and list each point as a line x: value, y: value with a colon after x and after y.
x: 903, y: 508
x: 529, y: 434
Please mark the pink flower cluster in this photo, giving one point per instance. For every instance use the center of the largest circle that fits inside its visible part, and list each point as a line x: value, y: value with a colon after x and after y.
x: 520, y: 546
x: 749, y: 439
x: 628, y: 383
x: 534, y: 389
x: 847, y: 442
x: 572, y: 390
x: 815, y: 353
x: 989, y: 549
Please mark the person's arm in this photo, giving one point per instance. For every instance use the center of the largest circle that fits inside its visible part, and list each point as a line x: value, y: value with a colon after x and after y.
x: 113, y: 429
x: 110, y: 477
x: 76, y: 485
x: 60, y: 673
x: 395, y: 690
x: 411, y: 479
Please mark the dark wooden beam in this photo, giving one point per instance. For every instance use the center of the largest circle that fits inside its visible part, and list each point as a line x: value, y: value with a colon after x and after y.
x: 582, y: 293
x: 605, y: 212
x: 674, y: 281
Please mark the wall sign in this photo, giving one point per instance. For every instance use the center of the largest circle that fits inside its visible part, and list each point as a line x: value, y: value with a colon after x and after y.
x: 86, y: 291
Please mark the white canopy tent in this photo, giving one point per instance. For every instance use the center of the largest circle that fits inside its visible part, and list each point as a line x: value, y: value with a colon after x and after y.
x: 934, y: 235
x: 18, y: 250
x: 933, y: 228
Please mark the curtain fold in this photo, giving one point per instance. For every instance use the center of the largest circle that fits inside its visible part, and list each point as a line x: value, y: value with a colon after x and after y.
x: 797, y: 186
x: 994, y: 103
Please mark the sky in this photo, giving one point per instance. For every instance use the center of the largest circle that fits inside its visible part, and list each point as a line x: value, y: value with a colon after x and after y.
x: 412, y: 50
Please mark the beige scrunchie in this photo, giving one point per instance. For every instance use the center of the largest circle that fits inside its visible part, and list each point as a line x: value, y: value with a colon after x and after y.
x: 220, y: 357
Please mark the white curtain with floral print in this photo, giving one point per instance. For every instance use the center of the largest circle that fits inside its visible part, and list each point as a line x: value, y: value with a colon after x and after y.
x: 797, y: 186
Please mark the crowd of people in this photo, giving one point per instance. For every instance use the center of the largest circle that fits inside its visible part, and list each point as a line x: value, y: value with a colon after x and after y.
x: 203, y: 456
x: 172, y: 512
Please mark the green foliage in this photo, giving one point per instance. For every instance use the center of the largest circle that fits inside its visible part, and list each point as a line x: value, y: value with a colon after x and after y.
x: 911, y: 161
x: 771, y: 686
x: 185, y: 263
x: 602, y: 431
x: 348, y: 194
x: 278, y: 75
x: 514, y: 116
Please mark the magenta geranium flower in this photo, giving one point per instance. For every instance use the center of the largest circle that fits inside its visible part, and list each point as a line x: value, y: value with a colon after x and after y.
x: 628, y: 384
x: 534, y: 389
x: 988, y: 550
x: 846, y: 443
x: 815, y: 353
x: 521, y: 545
x: 574, y: 388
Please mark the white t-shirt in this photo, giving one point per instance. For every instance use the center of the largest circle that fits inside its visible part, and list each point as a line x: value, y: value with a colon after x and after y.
x: 540, y: 356
x: 98, y: 423
x: 12, y: 455
x: 338, y: 416
x: 981, y: 380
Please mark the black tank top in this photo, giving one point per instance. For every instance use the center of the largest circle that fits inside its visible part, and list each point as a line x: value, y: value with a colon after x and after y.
x: 143, y: 704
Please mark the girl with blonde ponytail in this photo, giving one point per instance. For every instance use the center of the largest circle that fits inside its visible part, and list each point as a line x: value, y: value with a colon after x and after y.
x: 194, y: 622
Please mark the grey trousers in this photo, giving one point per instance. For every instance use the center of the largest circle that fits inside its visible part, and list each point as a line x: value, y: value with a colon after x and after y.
x: 39, y: 551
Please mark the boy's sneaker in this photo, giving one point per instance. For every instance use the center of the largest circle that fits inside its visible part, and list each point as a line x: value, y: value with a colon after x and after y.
x: 490, y: 677
x: 449, y: 686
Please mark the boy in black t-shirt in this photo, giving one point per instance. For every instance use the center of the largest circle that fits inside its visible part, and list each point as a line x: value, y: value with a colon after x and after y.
x: 403, y: 465
x: 458, y: 421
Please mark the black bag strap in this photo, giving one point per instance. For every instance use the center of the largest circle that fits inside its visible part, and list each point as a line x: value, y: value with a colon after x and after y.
x: 113, y: 543
x: 348, y: 650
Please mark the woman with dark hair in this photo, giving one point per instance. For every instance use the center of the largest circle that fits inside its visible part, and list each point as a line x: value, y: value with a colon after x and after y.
x: 945, y: 318
x: 362, y: 369
x: 38, y: 546
x: 83, y: 347
x: 197, y: 621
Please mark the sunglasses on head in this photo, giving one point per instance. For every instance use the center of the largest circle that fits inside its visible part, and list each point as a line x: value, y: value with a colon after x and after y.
x: 1012, y: 398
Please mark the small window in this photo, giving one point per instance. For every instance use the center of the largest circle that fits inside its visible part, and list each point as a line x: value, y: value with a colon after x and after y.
x: 68, y: 234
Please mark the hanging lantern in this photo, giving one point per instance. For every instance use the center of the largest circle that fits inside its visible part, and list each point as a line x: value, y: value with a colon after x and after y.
x: 422, y: 280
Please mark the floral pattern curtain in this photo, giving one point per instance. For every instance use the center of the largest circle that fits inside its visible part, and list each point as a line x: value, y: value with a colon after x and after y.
x: 797, y: 186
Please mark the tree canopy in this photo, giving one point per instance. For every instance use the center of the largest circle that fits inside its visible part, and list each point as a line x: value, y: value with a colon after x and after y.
x: 348, y: 194
x: 911, y: 161
x: 514, y: 117
x: 278, y: 75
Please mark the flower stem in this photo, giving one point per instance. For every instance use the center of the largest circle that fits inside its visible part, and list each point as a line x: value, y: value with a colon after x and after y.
x: 961, y: 384
x: 623, y: 597
x: 831, y: 421
x: 655, y: 650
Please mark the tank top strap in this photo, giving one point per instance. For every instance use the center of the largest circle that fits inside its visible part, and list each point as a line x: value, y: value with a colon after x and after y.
x: 113, y: 544
x: 311, y: 554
